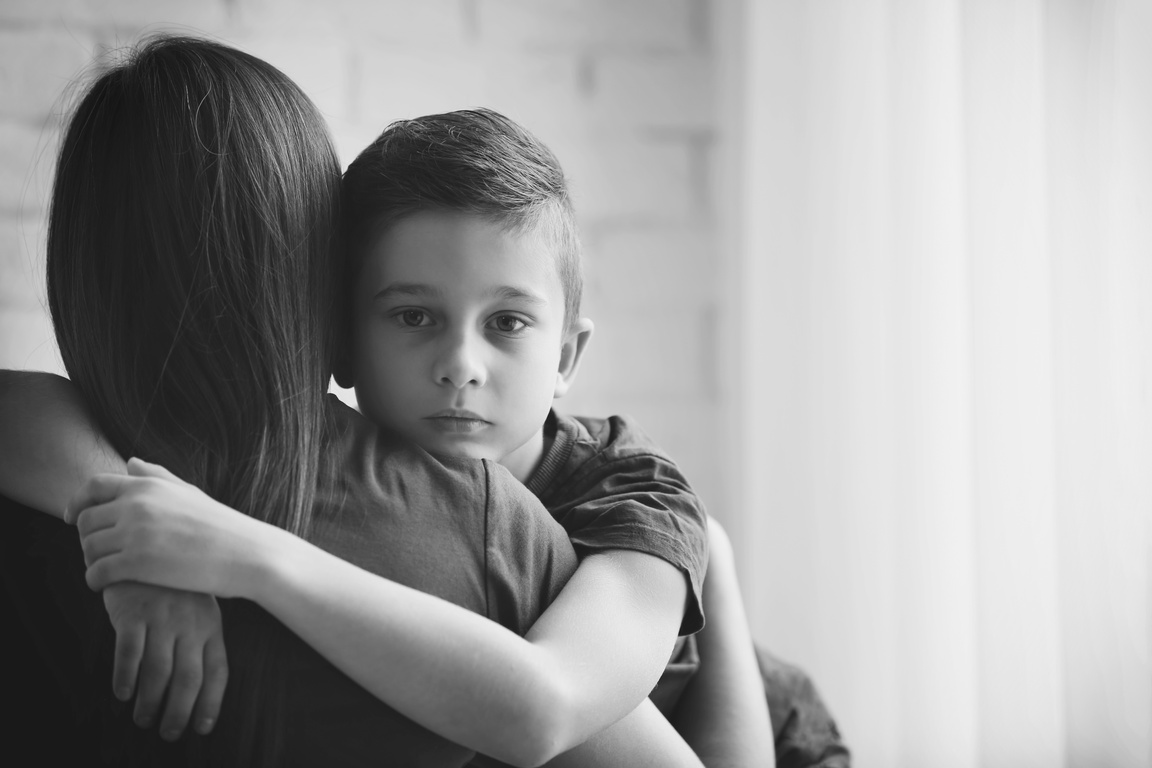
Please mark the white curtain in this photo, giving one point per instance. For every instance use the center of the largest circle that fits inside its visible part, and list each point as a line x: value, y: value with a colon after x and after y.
x: 939, y: 358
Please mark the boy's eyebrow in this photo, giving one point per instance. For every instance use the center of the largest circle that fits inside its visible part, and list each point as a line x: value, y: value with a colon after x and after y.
x: 422, y: 291
x: 509, y: 292
x: 416, y: 290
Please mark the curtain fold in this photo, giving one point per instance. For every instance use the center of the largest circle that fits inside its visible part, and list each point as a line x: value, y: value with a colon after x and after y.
x: 942, y: 411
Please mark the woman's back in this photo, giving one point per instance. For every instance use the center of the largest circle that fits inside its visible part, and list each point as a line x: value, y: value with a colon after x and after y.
x: 464, y: 531
x: 193, y: 272
x: 191, y: 282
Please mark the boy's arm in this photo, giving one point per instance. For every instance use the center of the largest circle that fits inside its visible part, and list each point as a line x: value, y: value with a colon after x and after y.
x: 643, y: 739
x: 49, y: 445
x: 723, y: 713
x: 591, y: 658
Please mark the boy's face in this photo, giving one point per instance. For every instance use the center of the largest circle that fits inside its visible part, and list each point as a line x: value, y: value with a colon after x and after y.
x: 459, y: 341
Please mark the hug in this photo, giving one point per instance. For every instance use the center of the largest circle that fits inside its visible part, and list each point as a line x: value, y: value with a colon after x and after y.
x: 454, y: 574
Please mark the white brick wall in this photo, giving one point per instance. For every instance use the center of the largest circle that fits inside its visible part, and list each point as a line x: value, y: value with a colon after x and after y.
x: 622, y: 90
x: 596, y: 25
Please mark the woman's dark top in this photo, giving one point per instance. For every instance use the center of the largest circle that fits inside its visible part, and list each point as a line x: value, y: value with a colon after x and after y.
x: 459, y: 529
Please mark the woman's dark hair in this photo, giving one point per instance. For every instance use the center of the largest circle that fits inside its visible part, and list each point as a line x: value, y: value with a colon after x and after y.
x: 192, y: 282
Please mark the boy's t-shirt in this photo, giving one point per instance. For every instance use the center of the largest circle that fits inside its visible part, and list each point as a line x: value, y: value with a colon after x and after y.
x: 608, y: 484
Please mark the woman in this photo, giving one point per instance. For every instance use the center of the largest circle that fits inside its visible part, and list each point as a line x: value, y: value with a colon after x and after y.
x: 192, y: 289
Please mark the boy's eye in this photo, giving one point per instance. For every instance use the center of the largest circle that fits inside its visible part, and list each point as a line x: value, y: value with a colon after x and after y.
x: 413, y: 318
x: 508, y: 324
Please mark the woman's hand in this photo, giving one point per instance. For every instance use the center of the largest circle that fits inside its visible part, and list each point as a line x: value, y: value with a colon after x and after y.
x: 170, y: 651
x: 151, y: 527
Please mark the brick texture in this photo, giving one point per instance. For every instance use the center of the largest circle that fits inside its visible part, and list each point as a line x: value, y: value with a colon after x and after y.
x: 603, y: 25
x: 21, y: 263
x: 622, y: 90
x: 26, y: 164
x: 36, y: 65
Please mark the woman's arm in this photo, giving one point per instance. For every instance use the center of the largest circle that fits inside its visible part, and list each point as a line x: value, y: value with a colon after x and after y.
x: 48, y: 446
x: 590, y: 659
x: 723, y: 713
x: 169, y: 644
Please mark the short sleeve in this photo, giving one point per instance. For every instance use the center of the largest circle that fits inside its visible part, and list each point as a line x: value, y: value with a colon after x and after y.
x: 529, y: 556
x: 638, y: 500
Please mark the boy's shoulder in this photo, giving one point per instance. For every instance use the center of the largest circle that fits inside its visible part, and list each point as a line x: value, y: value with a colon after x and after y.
x: 586, y: 450
x: 611, y: 487
x: 617, y: 435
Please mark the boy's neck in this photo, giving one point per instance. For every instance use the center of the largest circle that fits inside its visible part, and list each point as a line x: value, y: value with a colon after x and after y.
x: 523, y: 461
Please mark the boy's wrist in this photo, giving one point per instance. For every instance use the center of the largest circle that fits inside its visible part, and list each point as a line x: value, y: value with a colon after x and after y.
x: 256, y: 572
x: 260, y: 577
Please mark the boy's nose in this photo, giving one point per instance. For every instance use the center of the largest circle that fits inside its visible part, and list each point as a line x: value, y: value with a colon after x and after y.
x: 459, y: 364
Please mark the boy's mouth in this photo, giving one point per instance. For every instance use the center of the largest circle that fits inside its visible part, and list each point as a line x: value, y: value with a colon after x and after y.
x: 457, y: 421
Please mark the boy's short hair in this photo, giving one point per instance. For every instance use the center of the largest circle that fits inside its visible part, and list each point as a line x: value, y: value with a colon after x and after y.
x: 472, y: 161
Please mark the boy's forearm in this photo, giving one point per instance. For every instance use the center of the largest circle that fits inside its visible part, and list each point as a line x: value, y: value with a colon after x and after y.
x: 723, y: 713
x: 587, y: 662
x: 456, y: 673
x: 48, y: 444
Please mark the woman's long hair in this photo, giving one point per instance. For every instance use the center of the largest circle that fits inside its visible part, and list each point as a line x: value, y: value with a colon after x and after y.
x: 191, y: 281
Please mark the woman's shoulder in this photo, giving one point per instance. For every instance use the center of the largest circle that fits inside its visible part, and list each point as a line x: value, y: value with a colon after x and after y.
x: 393, y: 509
x: 529, y: 555
x: 356, y: 446
x: 370, y: 469
x: 462, y: 529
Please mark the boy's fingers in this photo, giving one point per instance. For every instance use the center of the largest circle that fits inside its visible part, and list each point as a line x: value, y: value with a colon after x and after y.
x: 97, y: 518
x: 212, y: 690
x: 155, y: 672
x: 137, y: 467
x: 126, y: 663
x: 99, y: 545
x: 183, y: 689
x: 103, y: 572
x: 98, y: 490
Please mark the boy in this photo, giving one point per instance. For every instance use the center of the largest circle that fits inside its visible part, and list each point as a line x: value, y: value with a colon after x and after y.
x: 465, y: 300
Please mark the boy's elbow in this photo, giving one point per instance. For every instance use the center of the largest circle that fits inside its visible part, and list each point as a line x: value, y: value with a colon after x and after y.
x: 544, y: 732
x: 537, y: 748
x: 531, y: 753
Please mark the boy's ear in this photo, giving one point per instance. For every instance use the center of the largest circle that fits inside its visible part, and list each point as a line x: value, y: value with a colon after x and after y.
x: 571, y: 351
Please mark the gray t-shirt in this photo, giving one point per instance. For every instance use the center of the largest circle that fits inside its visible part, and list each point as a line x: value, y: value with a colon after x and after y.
x: 460, y: 529
x: 608, y: 484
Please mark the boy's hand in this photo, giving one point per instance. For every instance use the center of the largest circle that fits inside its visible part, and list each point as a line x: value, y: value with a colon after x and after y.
x: 151, y: 527
x: 168, y: 641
